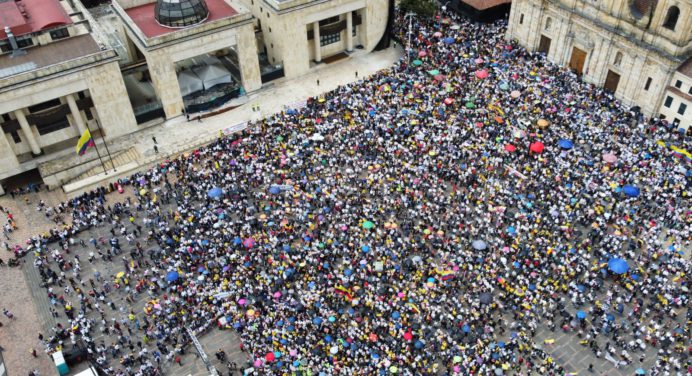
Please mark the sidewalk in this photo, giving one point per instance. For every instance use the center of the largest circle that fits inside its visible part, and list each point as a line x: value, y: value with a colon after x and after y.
x: 177, y: 135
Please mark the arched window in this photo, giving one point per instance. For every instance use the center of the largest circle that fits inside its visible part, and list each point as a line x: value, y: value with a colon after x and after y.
x: 672, y: 18
x: 618, y: 59
x: 548, y: 22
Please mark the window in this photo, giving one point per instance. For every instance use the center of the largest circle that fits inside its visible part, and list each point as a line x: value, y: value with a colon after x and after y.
x: 678, y: 84
x: 618, y: 59
x: 690, y: 90
x: 329, y: 20
x: 648, y: 83
x: 45, y: 105
x: 329, y: 39
x: 521, y: 19
x: 59, y: 34
x: 682, y: 108
x: 548, y: 22
x: 668, y: 102
x: 672, y: 18
x: 15, y: 137
x: 26, y: 42
x: 270, y: 29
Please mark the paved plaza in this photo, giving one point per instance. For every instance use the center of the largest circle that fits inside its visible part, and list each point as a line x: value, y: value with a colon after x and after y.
x: 531, y: 303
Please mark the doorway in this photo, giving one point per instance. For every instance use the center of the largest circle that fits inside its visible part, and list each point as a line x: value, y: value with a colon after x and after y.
x: 544, y: 45
x: 577, y: 60
x: 612, y: 81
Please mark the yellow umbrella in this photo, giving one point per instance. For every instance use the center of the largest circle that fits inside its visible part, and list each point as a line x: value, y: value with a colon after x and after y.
x: 542, y: 123
x: 120, y: 275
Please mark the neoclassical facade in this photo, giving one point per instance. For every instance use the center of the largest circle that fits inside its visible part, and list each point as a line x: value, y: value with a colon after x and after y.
x: 118, y: 69
x: 631, y: 48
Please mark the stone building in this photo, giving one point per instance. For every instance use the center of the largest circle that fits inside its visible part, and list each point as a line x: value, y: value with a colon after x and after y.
x: 138, y: 63
x: 295, y: 35
x: 677, y: 103
x: 55, y: 80
x: 631, y: 48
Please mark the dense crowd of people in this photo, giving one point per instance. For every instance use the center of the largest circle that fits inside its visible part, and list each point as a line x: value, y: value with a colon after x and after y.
x: 426, y: 220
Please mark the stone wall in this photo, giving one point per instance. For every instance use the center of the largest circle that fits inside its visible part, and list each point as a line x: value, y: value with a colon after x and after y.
x: 609, y: 48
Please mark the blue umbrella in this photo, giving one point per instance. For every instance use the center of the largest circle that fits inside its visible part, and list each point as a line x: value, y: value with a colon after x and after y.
x: 274, y: 189
x: 448, y: 40
x: 396, y: 315
x: 640, y: 371
x: 348, y: 272
x: 479, y: 245
x: 565, y: 144
x: 365, y: 248
x: 317, y: 320
x: 172, y: 276
x: 610, y: 317
x: 328, y: 338
x: 631, y: 191
x: 581, y: 315
x: 466, y: 328
x: 215, y: 192
x: 418, y: 344
x: 511, y: 230
x: 618, y: 266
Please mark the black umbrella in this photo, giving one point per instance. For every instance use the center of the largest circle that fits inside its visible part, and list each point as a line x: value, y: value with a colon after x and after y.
x: 486, y: 298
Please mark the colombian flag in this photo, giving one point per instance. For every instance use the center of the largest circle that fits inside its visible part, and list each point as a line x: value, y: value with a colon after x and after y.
x: 341, y: 290
x: 85, y: 142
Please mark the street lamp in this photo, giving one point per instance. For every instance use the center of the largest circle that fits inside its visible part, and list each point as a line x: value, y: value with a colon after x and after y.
x: 410, y: 16
x: 444, y: 7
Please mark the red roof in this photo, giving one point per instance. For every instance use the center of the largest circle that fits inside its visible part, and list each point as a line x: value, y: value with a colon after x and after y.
x: 30, y: 16
x: 143, y: 17
x: 485, y: 4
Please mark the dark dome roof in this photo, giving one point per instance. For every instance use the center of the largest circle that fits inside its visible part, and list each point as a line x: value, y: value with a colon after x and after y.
x: 180, y: 13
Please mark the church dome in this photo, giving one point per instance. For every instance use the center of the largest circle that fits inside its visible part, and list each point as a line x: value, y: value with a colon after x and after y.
x: 180, y: 13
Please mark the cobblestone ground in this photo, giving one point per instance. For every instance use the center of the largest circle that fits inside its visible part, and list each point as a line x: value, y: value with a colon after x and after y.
x: 18, y: 336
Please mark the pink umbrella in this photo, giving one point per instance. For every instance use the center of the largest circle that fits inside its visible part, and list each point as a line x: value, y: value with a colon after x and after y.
x: 249, y: 242
x: 610, y: 157
x: 437, y: 34
x: 422, y: 54
x: 277, y: 295
x: 449, y: 101
x: 479, y: 61
x: 293, y: 352
x: 242, y: 301
x: 482, y: 73
x: 257, y: 363
x: 439, y: 77
x: 515, y: 94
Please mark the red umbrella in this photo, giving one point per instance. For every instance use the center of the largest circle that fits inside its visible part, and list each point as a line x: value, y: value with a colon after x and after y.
x: 270, y: 357
x: 408, y: 335
x: 537, y: 147
x: 510, y: 148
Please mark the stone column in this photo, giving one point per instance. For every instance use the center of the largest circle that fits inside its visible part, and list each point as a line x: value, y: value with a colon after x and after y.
x: 247, y: 58
x: 26, y: 129
x: 316, y: 39
x: 349, y: 31
x: 76, y: 115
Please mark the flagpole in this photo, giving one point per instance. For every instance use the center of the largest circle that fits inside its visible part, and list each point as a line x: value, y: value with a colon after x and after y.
x: 105, y: 144
x: 97, y: 150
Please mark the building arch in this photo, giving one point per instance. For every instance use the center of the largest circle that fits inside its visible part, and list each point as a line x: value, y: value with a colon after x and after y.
x: 618, y: 59
x: 672, y: 17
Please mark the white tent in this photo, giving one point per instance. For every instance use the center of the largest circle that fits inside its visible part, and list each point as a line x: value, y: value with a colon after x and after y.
x: 189, y: 83
x: 213, y: 75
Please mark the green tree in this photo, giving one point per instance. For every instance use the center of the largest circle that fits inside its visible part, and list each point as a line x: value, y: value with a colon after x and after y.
x: 423, y: 8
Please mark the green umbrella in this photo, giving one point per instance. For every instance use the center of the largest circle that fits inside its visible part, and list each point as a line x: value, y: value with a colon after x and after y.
x: 433, y: 72
x: 470, y: 105
x: 504, y: 86
x: 417, y: 62
x: 368, y: 225
x: 279, y: 138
